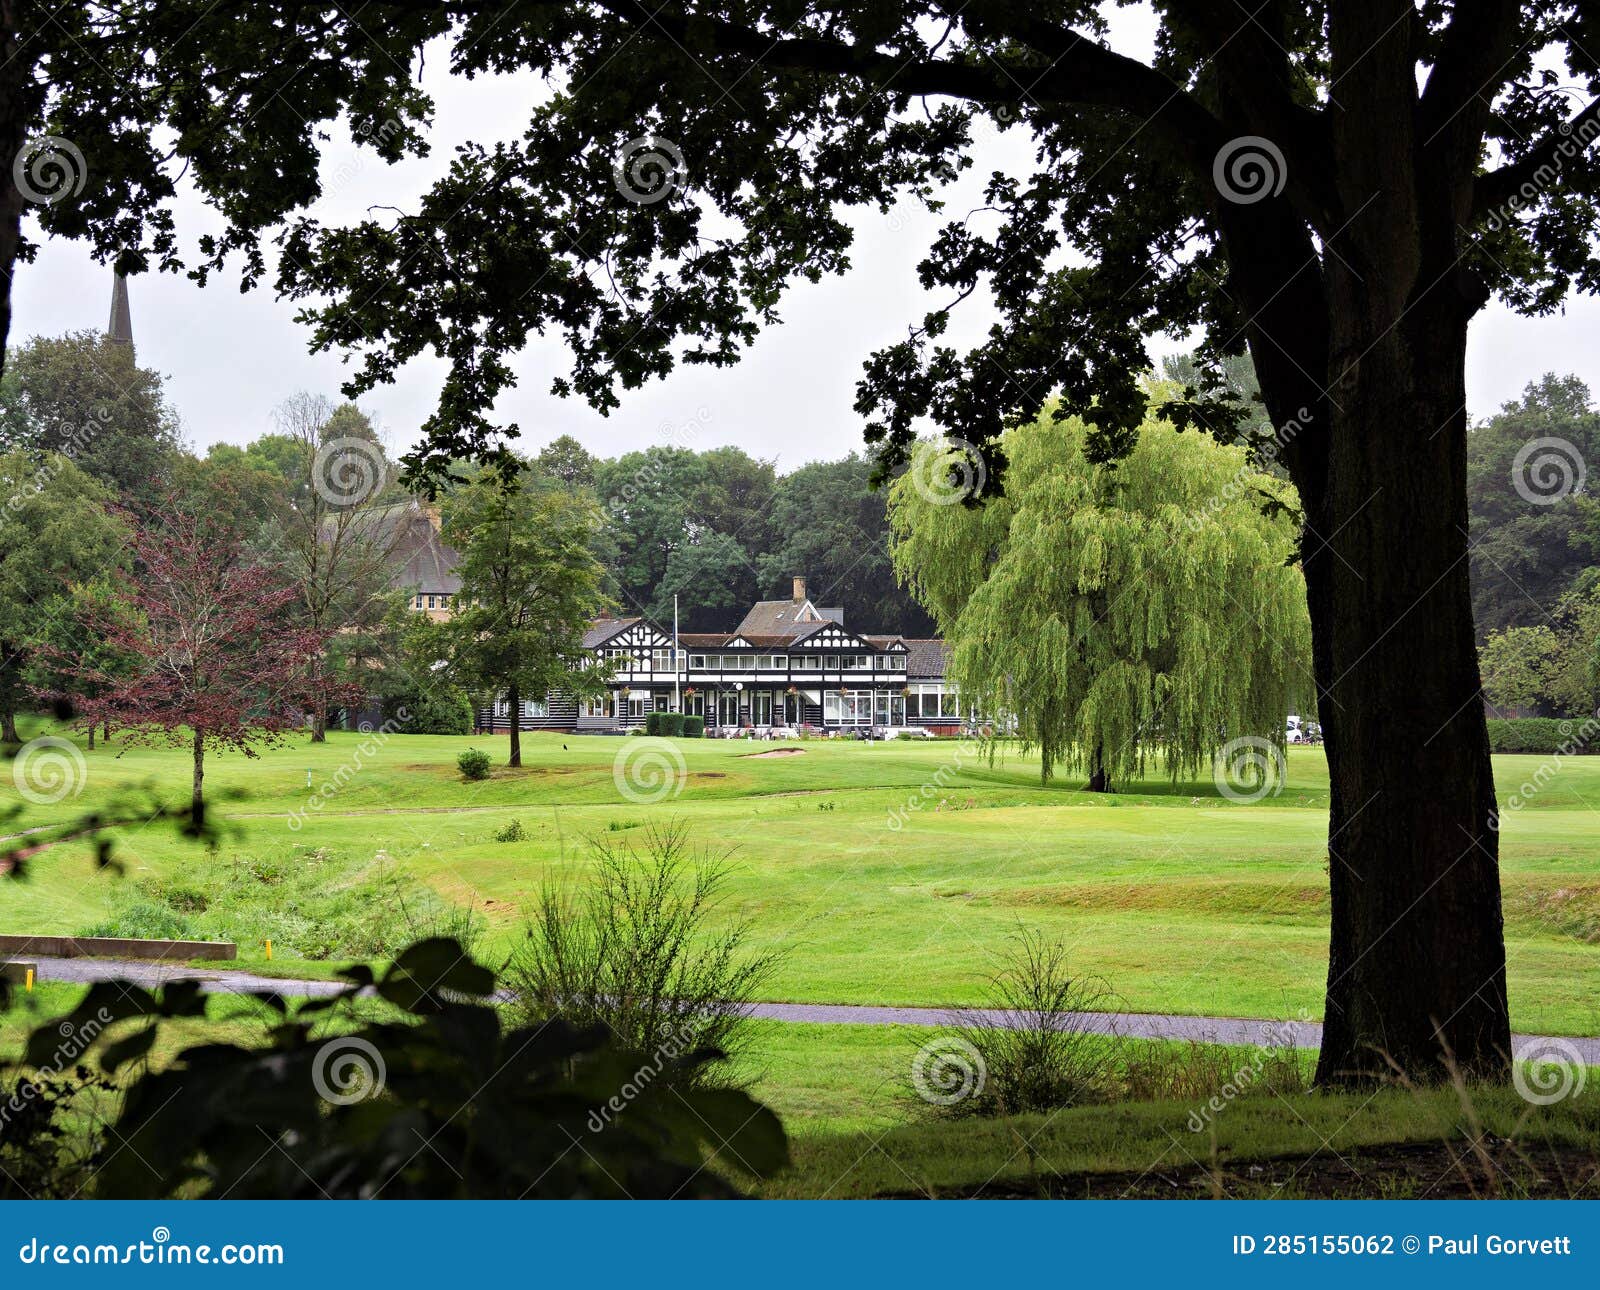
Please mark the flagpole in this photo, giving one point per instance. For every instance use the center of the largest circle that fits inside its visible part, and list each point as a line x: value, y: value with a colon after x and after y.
x: 677, y: 658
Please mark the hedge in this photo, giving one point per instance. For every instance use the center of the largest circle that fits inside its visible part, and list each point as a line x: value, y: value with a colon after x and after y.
x: 1563, y: 735
x: 652, y: 722
x: 693, y: 727
x: 663, y: 723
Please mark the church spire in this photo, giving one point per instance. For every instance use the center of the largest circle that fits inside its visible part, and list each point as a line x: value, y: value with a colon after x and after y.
x: 120, y: 329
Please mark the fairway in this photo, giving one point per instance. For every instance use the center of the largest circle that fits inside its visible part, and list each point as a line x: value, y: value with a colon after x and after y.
x: 887, y: 873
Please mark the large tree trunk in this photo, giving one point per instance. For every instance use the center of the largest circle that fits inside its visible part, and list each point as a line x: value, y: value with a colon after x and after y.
x: 514, y: 698
x: 18, y: 103
x: 1416, y: 965
x: 8, y: 727
x: 319, y: 724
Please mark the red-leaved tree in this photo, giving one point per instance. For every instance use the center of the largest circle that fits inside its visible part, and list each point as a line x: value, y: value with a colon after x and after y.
x: 219, y: 660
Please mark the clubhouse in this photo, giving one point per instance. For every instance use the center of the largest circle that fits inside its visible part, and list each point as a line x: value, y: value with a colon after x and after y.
x: 787, y: 666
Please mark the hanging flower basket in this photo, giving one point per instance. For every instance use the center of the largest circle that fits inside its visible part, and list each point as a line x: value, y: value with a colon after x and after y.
x: 792, y: 690
x: 689, y: 689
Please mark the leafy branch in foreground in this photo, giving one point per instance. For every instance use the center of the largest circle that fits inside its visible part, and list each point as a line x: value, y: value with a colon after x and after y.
x: 428, y: 1097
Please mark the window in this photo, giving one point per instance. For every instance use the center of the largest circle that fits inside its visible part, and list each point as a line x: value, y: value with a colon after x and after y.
x: 596, y: 707
x: 761, y: 708
x: 934, y: 701
x: 661, y: 660
x: 417, y: 602
x: 858, y: 662
x: 852, y: 708
x: 808, y: 663
x: 532, y: 709
x: 697, y: 661
x: 635, y: 707
x: 892, y: 662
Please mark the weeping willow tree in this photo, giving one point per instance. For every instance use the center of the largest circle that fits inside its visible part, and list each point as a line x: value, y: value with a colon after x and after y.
x: 1112, y: 614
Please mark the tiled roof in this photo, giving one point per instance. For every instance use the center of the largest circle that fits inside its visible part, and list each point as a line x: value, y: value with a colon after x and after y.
x: 603, y: 629
x: 421, y: 560
x: 700, y: 640
x: 926, y: 658
x: 781, y: 618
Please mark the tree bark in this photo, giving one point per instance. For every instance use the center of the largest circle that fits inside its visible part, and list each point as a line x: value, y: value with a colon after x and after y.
x: 197, y: 802
x: 8, y: 727
x: 18, y: 105
x: 1099, y: 781
x: 319, y: 725
x: 514, y: 698
x: 91, y: 736
x: 1416, y: 963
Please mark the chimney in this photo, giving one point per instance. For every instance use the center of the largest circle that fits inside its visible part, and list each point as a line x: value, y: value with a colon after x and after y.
x: 799, y: 591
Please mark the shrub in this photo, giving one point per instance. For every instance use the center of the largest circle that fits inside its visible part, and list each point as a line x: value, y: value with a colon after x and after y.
x: 143, y: 919
x: 1565, y: 735
x: 51, y: 1139
x: 652, y: 722
x: 1048, y: 1056
x: 441, y: 710
x: 672, y: 724
x: 694, y: 727
x: 473, y: 764
x: 512, y: 832
x: 643, y: 953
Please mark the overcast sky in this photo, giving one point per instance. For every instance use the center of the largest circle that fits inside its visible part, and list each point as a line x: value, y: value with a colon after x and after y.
x: 230, y: 359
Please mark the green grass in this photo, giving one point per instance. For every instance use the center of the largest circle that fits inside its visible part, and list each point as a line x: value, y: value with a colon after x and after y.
x: 877, y: 891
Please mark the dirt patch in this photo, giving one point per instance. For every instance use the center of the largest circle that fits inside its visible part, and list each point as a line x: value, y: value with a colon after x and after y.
x: 775, y: 752
x: 1292, y: 901
x: 1427, y: 1170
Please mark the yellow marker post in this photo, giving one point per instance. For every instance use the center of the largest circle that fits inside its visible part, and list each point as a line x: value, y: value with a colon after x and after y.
x: 29, y: 986
x: 269, y: 949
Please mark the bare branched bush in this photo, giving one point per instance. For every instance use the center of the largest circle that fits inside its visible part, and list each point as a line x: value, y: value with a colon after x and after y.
x: 645, y: 951
x: 1039, y: 1049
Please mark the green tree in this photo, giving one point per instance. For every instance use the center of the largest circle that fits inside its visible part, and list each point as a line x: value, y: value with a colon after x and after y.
x: 1114, y: 614
x: 530, y: 587
x: 831, y: 527
x: 1518, y: 665
x: 84, y: 396
x: 567, y: 461
x: 645, y: 497
x: 1534, y: 529
x: 54, y: 533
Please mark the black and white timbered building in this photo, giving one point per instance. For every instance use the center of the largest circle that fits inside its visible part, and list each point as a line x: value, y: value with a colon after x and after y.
x: 787, y: 665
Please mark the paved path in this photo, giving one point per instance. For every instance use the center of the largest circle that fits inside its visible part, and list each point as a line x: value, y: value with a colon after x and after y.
x: 1136, y: 1025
